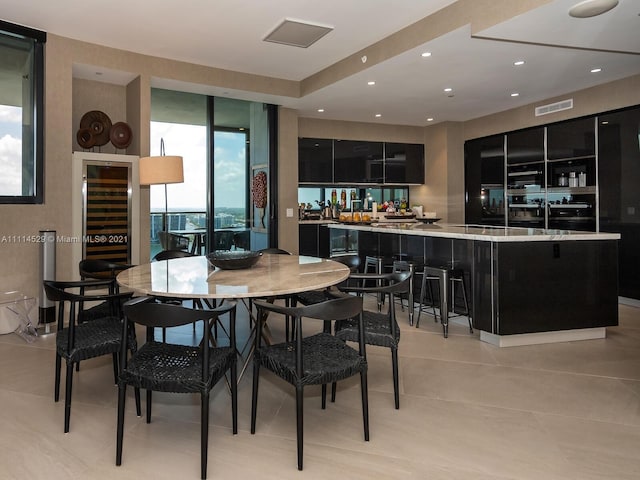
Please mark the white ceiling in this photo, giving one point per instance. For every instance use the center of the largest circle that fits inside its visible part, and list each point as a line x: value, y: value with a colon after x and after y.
x: 409, y: 88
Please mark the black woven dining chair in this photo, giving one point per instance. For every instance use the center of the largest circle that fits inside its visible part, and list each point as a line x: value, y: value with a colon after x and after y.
x: 167, y: 367
x: 76, y: 341
x: 313, y: 360
x: 99, y: 269
x: 380, y: 328
x: 317, y: 296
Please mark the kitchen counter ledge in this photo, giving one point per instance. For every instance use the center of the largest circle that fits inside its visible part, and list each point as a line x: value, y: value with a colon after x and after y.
x: 480, y: 232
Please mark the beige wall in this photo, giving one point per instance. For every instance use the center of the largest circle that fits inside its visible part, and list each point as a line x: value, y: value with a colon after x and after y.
x: 288, y: 179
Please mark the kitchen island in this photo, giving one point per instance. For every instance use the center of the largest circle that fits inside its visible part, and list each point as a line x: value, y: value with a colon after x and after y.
x: 527, y: 285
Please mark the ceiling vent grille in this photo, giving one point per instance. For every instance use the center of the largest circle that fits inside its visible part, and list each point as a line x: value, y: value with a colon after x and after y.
x: 297, y: 34
x: 554, y: 107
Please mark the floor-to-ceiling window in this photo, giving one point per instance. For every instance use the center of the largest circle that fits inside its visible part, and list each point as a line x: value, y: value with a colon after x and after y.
x: 220, y: 140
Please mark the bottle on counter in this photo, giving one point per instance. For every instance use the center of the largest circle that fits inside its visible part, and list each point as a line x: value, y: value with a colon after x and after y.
x: 582, y: 179
x: 562, y: 180
x: 343, y: 199
x: 334, y: 197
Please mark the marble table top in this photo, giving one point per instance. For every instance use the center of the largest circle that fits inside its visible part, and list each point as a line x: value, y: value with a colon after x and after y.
x: 194, y: 277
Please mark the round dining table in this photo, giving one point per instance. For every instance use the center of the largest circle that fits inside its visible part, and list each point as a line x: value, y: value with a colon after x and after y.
x: 272, y: 276
x: 195, y: 277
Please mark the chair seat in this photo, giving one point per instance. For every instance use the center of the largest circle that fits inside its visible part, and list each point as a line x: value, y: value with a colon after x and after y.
x: 175, y: 368
x: 100, y: 310
x: 92, y: 339
x: 326, y: 359
x: 377, y: 330
x: 312, y: 297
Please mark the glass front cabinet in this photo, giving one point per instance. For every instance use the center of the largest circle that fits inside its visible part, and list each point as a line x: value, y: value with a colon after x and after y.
x: 549, y: 177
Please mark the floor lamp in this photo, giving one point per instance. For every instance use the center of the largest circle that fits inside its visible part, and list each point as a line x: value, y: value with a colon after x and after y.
x: 161, y: 170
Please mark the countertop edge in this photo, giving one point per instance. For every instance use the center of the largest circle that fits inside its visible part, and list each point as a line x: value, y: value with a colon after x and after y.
x: 509, y: 234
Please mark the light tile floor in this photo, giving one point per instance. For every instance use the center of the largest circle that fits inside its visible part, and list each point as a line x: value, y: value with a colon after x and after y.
x: 468, y: 410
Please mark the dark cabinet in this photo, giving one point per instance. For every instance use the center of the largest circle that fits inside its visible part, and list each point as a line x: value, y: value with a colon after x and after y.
x: 572, y: 174
x: 315, y: 160
x: 619, y: 177
x: 525, y: 146
x: 313, y: 240
x: 484, y: 180
x: 358, y: 161
x: 525, y: 178
x: 571, y: 139
x: 323, y: 161
x: 404, y: 163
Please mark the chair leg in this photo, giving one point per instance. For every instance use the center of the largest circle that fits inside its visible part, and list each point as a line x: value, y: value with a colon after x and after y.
x: 394, y: 363
x: 334, y: 387
x: 324, y: 396
x: 136, y: 392
x: 122, y: 395
x: 204, y: 433
x: 299, y: 422
x: 56, y: 388
x: 149, y: 406
x: 234, y: 396
x: 67, y: 397
x: 254, y: 395
x: 115, y: 368
x: 365, y: 404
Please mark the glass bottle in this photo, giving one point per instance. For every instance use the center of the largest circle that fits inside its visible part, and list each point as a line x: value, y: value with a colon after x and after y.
x: 343, y: 199
x: 334, y: 197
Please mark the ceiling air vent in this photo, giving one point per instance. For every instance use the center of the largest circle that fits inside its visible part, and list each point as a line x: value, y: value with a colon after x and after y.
x: 554, y: 107
x: 297, y: 34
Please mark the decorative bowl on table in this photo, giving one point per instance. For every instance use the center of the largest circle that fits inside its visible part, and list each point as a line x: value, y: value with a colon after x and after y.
x: 237, y: 260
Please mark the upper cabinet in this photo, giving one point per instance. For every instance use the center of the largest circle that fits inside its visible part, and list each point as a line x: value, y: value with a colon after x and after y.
x: 327, y: 161
x: 358, y: 162
x: 404, y: 163
x: 315, y: 160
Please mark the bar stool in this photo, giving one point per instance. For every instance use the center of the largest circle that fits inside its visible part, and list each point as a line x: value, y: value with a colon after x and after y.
x: 445, y: 276
x: 400, y: 266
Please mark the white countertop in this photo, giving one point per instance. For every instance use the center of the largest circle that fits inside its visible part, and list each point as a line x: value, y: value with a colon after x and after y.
x: 316, y: 222
x: 480, y: 232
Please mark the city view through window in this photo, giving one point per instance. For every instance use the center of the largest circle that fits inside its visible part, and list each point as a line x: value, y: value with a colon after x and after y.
x: 187, y: 201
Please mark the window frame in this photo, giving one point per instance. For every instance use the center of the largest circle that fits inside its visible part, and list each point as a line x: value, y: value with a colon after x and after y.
x: 39, y: 38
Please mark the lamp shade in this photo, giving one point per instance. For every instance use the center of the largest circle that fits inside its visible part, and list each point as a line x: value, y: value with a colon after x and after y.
x: 163, y: 169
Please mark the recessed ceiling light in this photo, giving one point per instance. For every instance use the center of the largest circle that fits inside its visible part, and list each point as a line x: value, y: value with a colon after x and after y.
x: 371, y: 83
x: 604, y: 122
x: 596, y: 70
x: 430, y: 119
x: 515, y: 94
x: 518, y: 63
x: 320, y: 110
x: 378, y: 115
x: 448, y: 89
x: 592, y: 8
x: 426, y: 54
